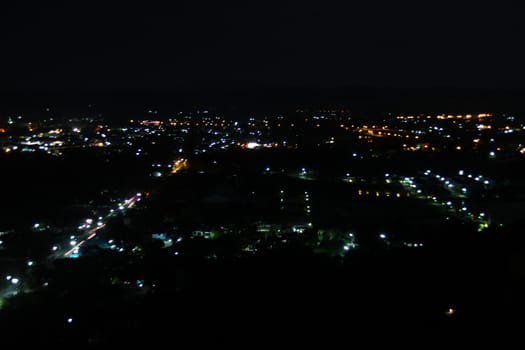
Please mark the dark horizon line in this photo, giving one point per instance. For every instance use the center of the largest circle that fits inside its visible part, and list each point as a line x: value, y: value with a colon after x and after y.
x: 256, y: 87
x: 362, y: 99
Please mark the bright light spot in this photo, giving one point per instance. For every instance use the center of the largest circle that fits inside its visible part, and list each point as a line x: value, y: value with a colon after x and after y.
x: 30, y: 263
x: 14, y: 280
x: 461, y: 172
x: 8, y: 277
x: 73, y: 242
x: 55, y: 248
x: 482, y: 214
x: 382, y: 236
x: 70, y: 320
x: 89, y: 221
x: 492, y: 153
x: 450, y: 312
x: 252, y: 145
x: 37, y: 225
x: 387, y: 175
x: 346, y: 247
x: 72, y: 237
x: 486, y: 182
x: 464, y: 190
x: 100, y: 223
x: 449, y: 203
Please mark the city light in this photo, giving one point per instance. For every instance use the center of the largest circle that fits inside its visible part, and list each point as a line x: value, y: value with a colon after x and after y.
x: 378, y: 191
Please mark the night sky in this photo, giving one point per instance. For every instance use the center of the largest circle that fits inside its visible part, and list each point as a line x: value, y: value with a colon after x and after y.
x: 50, y: 45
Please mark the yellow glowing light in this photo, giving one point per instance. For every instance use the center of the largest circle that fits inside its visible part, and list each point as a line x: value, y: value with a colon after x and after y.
x: 450, y: 312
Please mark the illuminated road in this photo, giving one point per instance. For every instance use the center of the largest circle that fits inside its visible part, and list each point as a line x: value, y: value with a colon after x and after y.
x: 84, y: 234
x: 92, y: 233
x: 179, y: 164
